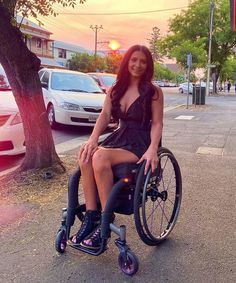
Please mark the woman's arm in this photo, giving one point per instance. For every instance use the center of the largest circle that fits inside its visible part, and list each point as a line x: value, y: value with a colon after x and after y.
x: 88, y: 149
x: 157, y: 118
x: 156, y: 131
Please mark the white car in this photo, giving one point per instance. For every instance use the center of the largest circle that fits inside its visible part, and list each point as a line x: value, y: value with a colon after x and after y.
x: 183, y: 88
x: 71, y: 98
x: 12, y: 138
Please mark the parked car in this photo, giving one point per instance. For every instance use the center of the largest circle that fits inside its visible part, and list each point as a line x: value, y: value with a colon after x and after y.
x: 203, y: 84
x: 159, y: 83
x: 104, y: 80
x: 71, y: 98
x: 12, y: 138
x: 183, y: 88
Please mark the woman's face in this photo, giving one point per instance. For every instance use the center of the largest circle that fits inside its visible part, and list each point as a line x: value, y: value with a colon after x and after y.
x: 137, y: 64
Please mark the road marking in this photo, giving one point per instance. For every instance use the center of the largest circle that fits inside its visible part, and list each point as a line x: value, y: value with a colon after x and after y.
x: 169, y: 108
x: 210, y: 150
x: 184, y: 117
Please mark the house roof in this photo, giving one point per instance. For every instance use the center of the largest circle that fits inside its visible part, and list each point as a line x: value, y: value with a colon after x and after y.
x: 75, y: 48
x: 27, y: 22
x: 71, y: 47
x: 50, y: 62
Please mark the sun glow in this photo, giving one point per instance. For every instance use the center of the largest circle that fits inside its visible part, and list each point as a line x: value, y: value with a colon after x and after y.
x: 114, y: 45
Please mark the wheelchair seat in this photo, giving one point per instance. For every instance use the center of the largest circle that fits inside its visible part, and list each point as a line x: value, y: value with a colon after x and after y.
x: 125, y: 200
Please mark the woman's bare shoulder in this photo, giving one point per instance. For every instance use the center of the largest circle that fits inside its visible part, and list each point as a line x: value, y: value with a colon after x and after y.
x: 158, y: 92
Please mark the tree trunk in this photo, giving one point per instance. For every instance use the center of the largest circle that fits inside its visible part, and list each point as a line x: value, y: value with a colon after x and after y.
x: 21, y: 67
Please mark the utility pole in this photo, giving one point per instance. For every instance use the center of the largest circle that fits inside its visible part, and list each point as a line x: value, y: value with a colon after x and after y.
x: 212, y: 6
x: 96, y: 28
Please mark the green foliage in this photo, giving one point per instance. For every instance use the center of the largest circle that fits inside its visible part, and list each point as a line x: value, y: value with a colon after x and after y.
x: 163, y: 73
x: 42, y: 7
x: 228, y: 71
x: 84, y: 62
x: 189, y: 32
x: 113, y: 61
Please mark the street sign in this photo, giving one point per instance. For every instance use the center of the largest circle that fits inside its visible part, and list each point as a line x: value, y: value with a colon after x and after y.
x: 189, y: 60
x: 211, y: 66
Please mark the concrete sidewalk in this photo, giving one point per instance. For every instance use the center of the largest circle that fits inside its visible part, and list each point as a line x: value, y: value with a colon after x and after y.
x: 202, y: 246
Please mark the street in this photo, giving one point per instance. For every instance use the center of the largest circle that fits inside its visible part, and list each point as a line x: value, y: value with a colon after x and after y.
x: 66, y: 133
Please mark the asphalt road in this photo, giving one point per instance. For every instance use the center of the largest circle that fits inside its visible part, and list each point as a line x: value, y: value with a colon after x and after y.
x: 66, y: 133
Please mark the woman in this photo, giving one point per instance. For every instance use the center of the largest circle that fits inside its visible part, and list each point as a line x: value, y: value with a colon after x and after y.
x: 138, y: 105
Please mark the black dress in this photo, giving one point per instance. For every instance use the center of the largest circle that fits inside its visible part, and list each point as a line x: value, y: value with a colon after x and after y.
x: 133, y: 133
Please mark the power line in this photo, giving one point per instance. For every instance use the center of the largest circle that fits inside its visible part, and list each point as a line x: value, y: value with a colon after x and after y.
x: 123, y: 13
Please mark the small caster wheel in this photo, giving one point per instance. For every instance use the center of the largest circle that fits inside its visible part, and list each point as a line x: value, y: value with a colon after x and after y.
x: 128, y: 262
x: 60, y: 243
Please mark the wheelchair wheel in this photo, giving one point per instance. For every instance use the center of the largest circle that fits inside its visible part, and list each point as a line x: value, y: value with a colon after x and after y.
x: 60, y: 242
x: 128, y: 262
x: 157, y: 199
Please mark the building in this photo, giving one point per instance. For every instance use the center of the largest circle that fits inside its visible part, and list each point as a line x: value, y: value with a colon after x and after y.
x: 63, y: 51
x: 52, y: 53
x: 38, y: 41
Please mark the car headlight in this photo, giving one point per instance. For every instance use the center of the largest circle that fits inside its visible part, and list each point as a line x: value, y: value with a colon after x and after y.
x: 69, y: 106
x: 16, y: 120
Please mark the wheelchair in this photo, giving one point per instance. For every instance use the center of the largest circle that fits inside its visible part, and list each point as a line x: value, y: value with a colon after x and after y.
x: 154, y: 199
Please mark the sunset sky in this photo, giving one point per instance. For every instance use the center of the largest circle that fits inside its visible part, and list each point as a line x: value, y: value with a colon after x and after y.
x: 128, y: 29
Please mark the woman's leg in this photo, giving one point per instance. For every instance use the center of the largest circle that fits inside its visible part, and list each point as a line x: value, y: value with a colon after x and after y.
x: 102, y: 162
x: 89, y: 185
x: 92, y: 216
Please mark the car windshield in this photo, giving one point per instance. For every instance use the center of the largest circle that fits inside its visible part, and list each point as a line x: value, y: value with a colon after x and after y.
x: 108, y: 80
x: 4, y: 84
x: 74, y: 82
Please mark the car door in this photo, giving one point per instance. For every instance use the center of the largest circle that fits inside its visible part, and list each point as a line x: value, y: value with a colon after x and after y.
x: 45, y: 87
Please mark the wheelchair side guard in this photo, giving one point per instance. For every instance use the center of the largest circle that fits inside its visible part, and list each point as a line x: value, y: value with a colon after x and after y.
x: 73, y: 188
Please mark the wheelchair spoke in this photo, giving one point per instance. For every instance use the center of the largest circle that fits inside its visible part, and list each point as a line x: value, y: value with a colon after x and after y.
x: 162, y: 218
x: 163, y: 212
x: 152, y: 216
x: 170, y: 201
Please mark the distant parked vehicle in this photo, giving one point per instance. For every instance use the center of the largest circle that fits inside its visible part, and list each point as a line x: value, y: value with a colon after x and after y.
x: 12, y: 138
x: 104, y: 80
x: 159, y: 83
x: 71, y: 97
x: 183, y: 88
x: 203, y: 84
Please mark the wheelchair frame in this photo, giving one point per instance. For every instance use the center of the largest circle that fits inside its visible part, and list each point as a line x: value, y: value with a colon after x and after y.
x: 141, y: 189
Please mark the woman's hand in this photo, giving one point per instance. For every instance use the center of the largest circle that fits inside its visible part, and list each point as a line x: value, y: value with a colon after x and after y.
x: 151, y: 159
x: 87, y: 150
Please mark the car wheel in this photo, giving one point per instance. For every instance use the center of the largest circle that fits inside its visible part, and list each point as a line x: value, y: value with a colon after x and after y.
x: 51, y: 117
x: 181, y: 90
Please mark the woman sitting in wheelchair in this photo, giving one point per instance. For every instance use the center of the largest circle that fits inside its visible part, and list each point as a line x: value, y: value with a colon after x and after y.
x: 138, y: 106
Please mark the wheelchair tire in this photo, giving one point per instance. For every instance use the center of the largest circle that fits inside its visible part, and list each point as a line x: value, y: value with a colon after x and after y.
x: 157, y: 199
x: 128, y: 263
x: 60, y: 242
